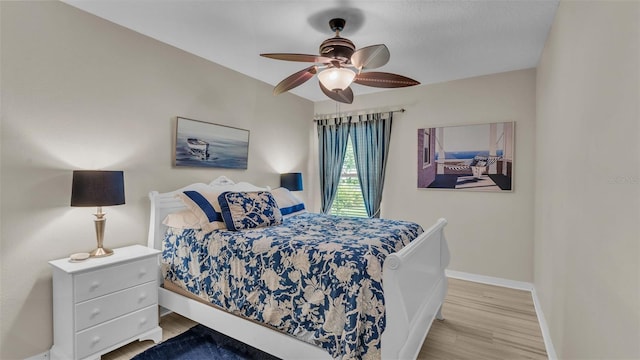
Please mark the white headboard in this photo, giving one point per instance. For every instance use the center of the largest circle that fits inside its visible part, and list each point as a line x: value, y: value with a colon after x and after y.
x: 163, y: 205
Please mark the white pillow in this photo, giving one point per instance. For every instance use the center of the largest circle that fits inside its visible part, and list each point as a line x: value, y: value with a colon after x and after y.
x: 185, y: 219
x: 204, y: 205
x: 288, y: 203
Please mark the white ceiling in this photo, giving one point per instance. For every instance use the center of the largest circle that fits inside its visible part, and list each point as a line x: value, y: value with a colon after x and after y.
x: 430, y: 41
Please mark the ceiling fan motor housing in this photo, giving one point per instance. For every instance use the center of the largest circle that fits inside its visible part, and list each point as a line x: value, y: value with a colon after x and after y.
x: 338, y: 48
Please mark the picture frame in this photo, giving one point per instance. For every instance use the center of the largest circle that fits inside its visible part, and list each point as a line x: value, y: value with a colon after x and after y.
x: 203, y: 144
x: 475, y: 157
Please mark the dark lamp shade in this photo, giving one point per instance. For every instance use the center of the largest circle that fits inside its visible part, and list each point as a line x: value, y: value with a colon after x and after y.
x: 97, y: 188
x: 291, y: 181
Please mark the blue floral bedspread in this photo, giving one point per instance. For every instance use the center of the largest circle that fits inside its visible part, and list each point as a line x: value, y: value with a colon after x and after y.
x: 316, y: 277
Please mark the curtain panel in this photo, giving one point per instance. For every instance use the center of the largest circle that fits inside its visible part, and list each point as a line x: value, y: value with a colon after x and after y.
x: 333, y: 135
x: 371, y: 136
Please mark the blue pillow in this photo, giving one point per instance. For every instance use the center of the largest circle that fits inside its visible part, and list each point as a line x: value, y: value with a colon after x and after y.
x: 249, y: 210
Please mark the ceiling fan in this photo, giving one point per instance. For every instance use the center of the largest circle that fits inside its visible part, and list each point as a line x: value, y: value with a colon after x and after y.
x: 339, y: 64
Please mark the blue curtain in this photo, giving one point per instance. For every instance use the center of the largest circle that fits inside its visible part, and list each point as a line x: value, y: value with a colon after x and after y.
x: 371, y: 136
x: 332, y: 144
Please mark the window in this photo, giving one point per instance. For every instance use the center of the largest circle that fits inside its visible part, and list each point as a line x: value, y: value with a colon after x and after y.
x: 426, y: 151
x: 349, y: 201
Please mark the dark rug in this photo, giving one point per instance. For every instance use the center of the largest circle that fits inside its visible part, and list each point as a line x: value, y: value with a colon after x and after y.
x: 200, y: 343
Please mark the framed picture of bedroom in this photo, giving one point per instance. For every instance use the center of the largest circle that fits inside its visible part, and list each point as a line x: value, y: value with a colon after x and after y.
x: 204, y: 144
x: 476, y: 157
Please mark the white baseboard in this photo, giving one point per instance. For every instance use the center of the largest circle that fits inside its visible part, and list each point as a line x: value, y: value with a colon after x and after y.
x: 546, y: 335
x: 489, y: 280
x: 513, y: 284
x: 43, y: 356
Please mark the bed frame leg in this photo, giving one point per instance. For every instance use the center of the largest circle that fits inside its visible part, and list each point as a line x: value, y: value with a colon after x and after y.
x: 439, y: 314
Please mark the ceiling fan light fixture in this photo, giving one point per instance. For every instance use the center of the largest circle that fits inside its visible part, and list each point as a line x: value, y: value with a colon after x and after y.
x: 336, y: 78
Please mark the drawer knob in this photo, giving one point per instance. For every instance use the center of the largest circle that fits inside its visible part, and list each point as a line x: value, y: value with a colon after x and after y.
x: 142, y: 296
x: 143, y: 272
x: 95, y: 340
x: 95, y: 312
x: 143, y: 321
x: 94, y: 285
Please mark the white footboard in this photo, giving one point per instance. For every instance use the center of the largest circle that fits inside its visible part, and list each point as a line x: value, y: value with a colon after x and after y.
x: 414, y: 288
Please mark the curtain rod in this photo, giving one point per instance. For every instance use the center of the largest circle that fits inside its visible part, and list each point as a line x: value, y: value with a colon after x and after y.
x: 352, y: 113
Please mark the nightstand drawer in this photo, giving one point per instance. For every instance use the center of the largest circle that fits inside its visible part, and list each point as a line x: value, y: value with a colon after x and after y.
x: 95, y: 311
x: 107, y: 280
x: 112, y: 332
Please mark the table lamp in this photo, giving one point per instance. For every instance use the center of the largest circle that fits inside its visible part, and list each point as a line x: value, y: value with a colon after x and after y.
x: 291, y: 181
x: 98, y: 188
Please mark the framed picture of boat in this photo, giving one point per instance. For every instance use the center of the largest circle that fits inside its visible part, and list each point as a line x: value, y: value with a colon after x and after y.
x: 202, y: 144
x: 475, y: 157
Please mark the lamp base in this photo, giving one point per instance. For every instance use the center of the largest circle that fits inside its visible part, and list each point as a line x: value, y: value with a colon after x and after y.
x: 101, y: 252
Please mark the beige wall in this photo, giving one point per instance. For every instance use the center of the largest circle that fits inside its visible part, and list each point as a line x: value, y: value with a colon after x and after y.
x: 81, y: 93
x: 489, y: 233
x: 587, y: 207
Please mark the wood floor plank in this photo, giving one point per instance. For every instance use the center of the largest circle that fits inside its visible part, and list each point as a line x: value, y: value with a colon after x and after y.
x: 481, y: 322
x: 472, y: 310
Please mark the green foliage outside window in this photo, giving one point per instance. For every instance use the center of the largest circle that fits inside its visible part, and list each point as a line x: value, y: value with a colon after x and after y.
x: 349, y: 201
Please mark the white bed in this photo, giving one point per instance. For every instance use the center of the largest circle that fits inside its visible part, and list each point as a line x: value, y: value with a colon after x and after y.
x: 414, y: 289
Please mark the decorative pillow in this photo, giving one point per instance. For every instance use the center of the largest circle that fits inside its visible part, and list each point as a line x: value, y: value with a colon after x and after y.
x: 204, y: 205
x: 185, y: 219
x: 248, y: 210
x: 288, y: 203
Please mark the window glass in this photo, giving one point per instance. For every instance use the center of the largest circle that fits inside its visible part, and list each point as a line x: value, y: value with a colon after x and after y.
x: 349, y: 201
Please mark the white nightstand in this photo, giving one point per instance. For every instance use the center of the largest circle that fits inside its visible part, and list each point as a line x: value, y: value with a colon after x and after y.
x: 101, y: 304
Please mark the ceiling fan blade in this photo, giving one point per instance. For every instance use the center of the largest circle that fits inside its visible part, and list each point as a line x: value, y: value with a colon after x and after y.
x: 298, y: 57
x: 384, y: 80
x: 344, y: 96
x: 370, y: 57
x: 295, y: 79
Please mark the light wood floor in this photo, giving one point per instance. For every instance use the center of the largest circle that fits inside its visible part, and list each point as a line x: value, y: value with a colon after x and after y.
x: 481, y: 322
x: 485, y: 322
